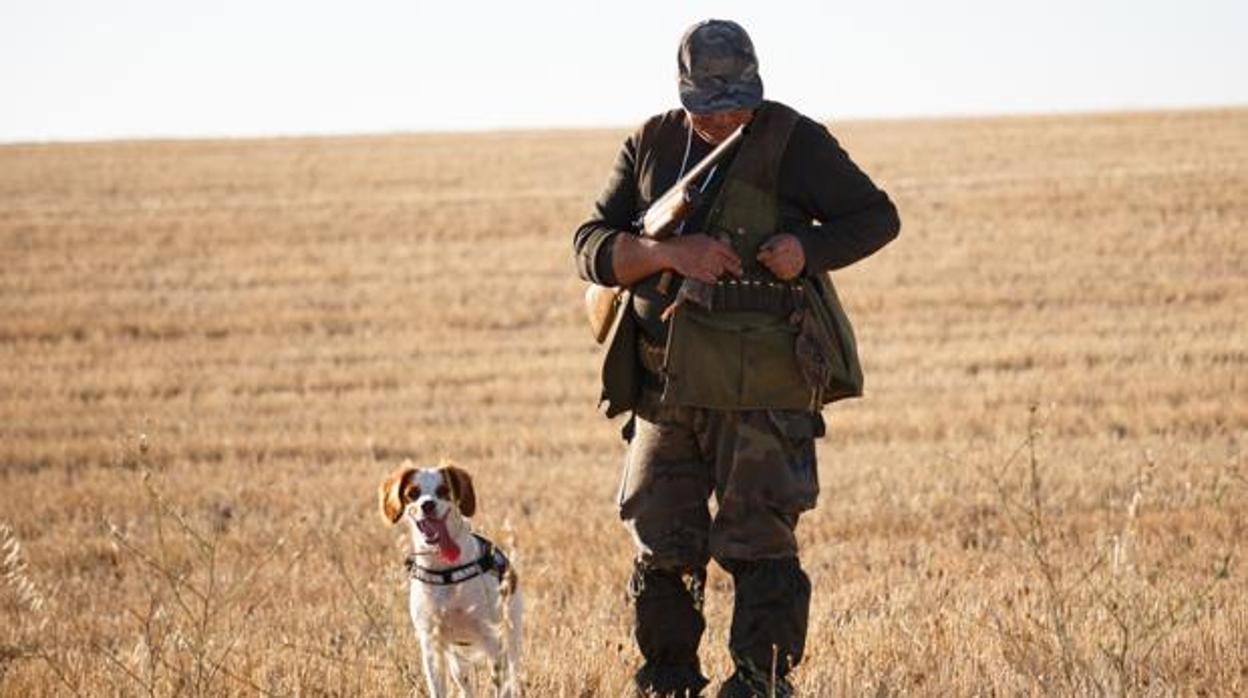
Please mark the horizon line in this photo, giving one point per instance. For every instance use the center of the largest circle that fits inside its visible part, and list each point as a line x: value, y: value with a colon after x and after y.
x: 312, y: 134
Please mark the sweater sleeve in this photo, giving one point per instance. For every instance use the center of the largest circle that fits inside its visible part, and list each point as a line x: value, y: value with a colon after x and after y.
x: 613, y: 214
x: 841, y: 216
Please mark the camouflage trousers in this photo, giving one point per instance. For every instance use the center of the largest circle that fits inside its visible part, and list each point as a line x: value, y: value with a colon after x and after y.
x: 760, y: 467
x: 758, y: 464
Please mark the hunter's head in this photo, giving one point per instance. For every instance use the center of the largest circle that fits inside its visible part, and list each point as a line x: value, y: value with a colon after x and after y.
x: 718, y: 78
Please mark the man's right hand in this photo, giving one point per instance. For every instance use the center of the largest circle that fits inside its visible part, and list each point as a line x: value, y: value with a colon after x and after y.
x: 700, y: 257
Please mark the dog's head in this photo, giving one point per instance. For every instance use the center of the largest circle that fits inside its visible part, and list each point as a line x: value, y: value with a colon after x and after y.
x: 434, y: 500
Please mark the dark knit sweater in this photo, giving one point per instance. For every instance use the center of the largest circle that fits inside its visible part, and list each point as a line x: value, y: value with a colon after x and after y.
x: 830, y: 205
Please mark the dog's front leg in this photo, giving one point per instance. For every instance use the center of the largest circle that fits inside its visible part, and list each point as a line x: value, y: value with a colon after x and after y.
x: 461, y: 675
x: 431, y: 660
x: 507, y: 678
x: 503, y: 673
x: 499, y: 674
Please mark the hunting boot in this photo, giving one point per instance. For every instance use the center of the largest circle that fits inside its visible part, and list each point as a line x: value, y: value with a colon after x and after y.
x: 768, y: 636
x: 669, y: 627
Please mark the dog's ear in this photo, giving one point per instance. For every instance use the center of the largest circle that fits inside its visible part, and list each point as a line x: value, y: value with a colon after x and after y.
x: 462, y: 493
x: 391, y: 492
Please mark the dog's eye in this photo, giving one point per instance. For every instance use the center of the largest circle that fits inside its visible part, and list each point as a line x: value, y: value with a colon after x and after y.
x: 411, y: 493
x: 443, y: 491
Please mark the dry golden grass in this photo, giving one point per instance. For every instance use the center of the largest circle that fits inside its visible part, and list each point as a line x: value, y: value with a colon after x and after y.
x: 213, y: 351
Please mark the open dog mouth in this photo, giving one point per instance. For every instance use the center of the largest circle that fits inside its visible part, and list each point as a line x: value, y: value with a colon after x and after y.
x: 434, y: 531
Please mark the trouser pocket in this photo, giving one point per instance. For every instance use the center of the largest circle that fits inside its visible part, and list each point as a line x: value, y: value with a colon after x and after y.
x: 767, y: 476
x: 797, y: 431
x: 663, y: 495
x: 772, y: 463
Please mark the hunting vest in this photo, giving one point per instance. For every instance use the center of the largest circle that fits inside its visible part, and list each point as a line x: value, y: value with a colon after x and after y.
x: 764, y: 343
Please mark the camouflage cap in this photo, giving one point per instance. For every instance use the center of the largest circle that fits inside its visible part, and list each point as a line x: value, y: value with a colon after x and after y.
x: 718, y: 68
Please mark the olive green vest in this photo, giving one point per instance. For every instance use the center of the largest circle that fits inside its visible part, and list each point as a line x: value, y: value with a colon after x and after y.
x: 743, y: 352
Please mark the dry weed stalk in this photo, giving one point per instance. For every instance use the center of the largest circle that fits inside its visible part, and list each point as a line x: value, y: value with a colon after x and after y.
x: 28, y: 603
x: 28, y: 635
x: 1100, y: 625
x: 380, y: 629
x: 193, y: 616
x: 16, y: 576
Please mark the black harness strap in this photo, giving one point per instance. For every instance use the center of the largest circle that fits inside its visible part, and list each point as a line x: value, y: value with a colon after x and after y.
x: 491, y: 560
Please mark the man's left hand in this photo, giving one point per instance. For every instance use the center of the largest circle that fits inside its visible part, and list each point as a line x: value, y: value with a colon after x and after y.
x: 783, y: 256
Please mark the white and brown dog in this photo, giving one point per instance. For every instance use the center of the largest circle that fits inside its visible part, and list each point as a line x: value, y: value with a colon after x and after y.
x: 464, y: 598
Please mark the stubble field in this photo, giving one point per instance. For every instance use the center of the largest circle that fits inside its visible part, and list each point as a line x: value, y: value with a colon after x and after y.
x: 212, y: 352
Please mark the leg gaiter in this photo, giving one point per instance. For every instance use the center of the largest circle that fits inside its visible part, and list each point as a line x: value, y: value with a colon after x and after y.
x: 769, y: 618
x: 669, y: 626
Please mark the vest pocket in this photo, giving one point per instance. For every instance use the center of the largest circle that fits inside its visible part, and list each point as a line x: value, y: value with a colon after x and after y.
x: 733, y: 361
x: 703, y: 361
x: 770, y: 374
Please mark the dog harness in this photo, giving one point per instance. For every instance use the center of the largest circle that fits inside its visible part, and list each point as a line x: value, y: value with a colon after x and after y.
x: 491, y: 560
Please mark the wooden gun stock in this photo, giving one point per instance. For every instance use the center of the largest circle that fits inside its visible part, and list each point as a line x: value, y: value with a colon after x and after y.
x: 601, y: 303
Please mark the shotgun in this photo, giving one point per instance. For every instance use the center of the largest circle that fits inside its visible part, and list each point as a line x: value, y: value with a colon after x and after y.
x: 661, y: 221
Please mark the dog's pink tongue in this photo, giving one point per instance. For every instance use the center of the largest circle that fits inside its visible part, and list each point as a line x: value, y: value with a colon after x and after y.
x: 447, y: 547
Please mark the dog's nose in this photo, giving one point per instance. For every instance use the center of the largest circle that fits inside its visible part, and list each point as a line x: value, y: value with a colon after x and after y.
x: 428, y: 507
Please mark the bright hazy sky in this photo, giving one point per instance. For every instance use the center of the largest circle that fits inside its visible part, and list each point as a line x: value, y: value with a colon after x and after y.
x: 95, y: 69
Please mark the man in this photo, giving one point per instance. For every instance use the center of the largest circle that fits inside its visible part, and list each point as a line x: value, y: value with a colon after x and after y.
x: 724, y: 401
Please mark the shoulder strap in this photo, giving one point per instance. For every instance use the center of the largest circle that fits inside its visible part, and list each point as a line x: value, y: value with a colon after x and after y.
x: 767, y: 136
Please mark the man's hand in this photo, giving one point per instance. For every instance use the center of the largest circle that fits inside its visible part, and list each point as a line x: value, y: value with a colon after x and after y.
x: 783, y: 256
x: 700, y: 257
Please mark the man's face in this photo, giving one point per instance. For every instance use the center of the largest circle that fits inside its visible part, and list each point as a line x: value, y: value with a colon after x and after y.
x: 714, y: 127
